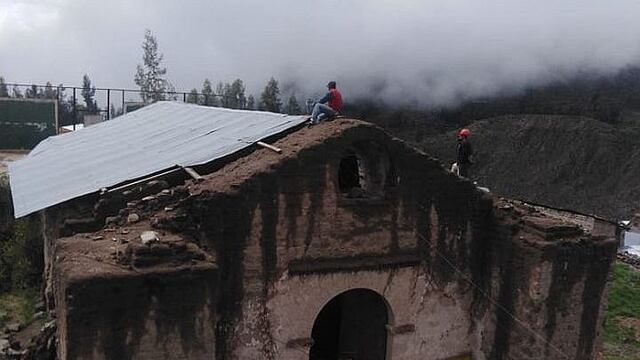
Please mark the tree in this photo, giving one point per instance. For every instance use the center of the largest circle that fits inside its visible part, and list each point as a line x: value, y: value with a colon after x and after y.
x: 65, y: 107
x: 270, y: 98
x: 115, y: 112
x: 227, y: 101
x: 251, y: 103
x: 207, y: 93
x: 293, y: 108
x: 192, y: 97
x: 16, y: 92
x: 220, y: 93
x: 4, y: 91
x: 88, y: 93
x: 237, y: 99
x: 33, y: 93
x: 170, y: 92
x: 49, y: 92
x: 150, y: 75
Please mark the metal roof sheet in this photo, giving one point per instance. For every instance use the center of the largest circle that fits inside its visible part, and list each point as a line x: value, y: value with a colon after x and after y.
x: 143, y: 142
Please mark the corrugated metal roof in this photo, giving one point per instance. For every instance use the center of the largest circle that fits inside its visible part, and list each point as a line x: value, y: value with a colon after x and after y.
x: 143, y: 142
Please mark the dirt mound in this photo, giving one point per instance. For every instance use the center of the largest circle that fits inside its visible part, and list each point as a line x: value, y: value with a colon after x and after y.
x: 571, y: 162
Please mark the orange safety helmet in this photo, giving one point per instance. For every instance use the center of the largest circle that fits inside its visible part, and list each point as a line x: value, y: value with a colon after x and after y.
x: 464, y: 132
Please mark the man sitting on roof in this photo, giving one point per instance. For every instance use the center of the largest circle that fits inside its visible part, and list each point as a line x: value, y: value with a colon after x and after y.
x: 329, y: 106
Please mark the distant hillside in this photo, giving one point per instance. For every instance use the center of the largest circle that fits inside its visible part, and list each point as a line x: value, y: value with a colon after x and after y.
x: 584, y: 158
x: 571, y: 162
x: 597, y: 96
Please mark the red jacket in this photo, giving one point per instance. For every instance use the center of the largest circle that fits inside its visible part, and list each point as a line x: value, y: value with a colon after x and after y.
x: 335, y: 99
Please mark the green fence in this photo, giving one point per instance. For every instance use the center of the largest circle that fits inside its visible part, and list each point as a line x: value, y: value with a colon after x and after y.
x: 26, y: 122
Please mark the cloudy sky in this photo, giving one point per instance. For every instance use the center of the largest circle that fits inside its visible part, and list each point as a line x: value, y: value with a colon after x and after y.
x: 431, y: 51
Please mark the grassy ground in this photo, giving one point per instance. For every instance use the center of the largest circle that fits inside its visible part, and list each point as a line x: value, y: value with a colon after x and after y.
x: 622, y: 327
x: 18, y: 306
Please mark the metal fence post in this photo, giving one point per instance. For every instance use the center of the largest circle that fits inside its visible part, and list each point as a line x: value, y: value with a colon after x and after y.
x: 75, y: 114
x: 59, y: 107
x: 108, y: 104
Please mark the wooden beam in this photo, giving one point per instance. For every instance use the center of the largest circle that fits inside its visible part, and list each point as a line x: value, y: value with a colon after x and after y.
x: 269, y: 146
x: 193, y: 174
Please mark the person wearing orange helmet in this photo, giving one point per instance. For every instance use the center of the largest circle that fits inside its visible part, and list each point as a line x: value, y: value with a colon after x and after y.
x: 465, y: 152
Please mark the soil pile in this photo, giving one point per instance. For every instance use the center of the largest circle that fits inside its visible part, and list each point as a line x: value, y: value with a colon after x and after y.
x: 571, y: 162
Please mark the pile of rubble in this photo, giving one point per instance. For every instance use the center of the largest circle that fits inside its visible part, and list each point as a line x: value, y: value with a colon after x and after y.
x: 35, y: 341
x: 125, y: 207
x: 630, y: 259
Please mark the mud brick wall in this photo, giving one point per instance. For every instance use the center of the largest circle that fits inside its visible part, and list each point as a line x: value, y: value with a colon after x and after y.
x: 288, y: 240
x: 289, y: 231
x: 155, y: 315
x: 550, y: 290
x: 459, y: 272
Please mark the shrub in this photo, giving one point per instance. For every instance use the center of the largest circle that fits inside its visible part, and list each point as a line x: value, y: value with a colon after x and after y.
x: 21, y: 250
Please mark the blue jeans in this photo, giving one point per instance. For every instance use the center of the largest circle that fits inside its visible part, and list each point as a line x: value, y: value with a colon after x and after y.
x: 319, y: 109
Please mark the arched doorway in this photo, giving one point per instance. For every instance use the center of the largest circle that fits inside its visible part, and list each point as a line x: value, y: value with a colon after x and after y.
x: 352, y: 326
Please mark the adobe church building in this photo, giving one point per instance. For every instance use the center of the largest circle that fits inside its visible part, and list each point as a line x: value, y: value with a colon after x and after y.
x: 345, y: 244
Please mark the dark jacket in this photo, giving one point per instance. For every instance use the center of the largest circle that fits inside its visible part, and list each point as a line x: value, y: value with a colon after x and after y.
x: 465, y: 151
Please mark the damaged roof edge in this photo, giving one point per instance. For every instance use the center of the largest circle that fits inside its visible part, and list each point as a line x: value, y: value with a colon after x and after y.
x: 147, y: 141
x: 570, y: 211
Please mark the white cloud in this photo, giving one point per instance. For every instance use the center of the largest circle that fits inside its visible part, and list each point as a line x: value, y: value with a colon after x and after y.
x: 435, y: 51
x: 25, y: 17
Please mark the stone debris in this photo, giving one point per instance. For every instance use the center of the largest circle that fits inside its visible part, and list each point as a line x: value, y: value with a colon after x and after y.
x: 49, y: 325
x: 112, y: 220
x: 506, y: 206
x: 170, y: 251
x: 40, y: 306
x: 4, y: 345
x: 148, y: 237
x: 16, y: 353
x: 148, y: 198
x: 13, y: 327
x: 630, y: 259
x: 133, y: 218
x: 41, y: 345
x: 97, y: 237
x: 39, y: 315
x: 155, y: 186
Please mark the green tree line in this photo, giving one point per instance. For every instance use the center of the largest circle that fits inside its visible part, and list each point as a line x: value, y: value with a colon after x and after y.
x: 151, y: 78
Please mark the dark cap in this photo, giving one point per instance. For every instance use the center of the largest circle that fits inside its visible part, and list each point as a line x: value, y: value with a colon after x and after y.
x: 331, y: 85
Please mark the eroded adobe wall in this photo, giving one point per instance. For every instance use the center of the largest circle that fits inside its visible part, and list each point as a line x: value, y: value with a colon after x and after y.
x: 108, y: 310
x: 279, y: 229
x: 92, y: 212
x: 426, y: 321
x: 456, y: 270
x: 289, y: 230
x: 550, y: 286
